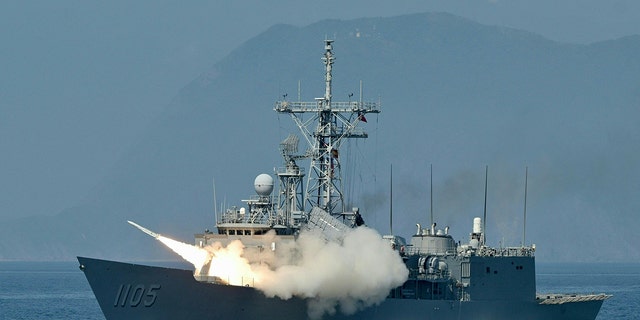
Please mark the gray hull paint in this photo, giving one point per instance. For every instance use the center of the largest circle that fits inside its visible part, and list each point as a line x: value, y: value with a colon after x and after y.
x: 131, y: 291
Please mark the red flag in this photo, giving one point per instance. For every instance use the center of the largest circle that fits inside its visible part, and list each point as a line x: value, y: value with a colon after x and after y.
x: 362, y: 118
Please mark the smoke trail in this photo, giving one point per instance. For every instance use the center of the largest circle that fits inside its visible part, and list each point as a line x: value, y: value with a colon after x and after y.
x: 349, y: 275
x: 197, y: 256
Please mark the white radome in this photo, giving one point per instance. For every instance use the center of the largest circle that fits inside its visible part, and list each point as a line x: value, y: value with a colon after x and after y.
x: 263, y: 185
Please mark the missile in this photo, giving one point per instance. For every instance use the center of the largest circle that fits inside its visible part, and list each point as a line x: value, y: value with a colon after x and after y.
x: 145, y: 230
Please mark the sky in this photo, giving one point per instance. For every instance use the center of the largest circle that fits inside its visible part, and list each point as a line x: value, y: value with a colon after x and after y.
x: 80, y: 81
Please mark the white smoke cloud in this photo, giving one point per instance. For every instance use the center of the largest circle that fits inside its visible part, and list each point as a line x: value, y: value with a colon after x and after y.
x: 356, y: 273
x: 344, y: 276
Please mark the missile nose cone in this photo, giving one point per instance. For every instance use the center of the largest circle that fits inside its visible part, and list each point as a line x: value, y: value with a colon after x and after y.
x: 143, y: 229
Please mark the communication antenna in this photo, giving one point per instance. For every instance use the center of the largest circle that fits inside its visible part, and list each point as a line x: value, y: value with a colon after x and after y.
x: 484, y: 220
x: 431, y: 189
x: 391, y: 203
x: 224, y: 202
x: 215, y: 202
x: 524, y: 227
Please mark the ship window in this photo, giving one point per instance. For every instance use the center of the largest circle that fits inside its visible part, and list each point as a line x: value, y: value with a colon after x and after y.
x: 488, y: 270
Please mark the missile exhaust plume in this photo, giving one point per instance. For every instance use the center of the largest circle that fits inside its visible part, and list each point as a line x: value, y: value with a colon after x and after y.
x: 197, y: 256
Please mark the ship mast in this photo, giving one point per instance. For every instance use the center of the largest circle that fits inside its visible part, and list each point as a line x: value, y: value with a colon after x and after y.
x: 330, y: 123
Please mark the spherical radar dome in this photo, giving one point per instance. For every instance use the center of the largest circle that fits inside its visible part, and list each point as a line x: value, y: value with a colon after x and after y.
x: 263, y: 184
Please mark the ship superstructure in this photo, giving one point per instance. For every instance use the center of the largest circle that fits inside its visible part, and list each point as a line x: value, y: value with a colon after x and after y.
x: 325, y: 125
x: 446, y: 279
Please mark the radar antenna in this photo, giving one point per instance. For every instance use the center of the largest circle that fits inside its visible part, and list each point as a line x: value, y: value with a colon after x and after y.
x: 290, y: 197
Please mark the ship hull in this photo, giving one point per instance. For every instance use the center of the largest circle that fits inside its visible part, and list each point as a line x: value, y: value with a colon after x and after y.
x: 132, y: 291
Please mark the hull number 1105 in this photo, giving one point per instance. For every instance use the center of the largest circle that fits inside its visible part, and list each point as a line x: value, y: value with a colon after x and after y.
x: 135, y: 295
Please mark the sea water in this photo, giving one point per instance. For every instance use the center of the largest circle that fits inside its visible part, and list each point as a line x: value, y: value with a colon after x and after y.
x: 59, y: 290
x: 620, y: 280
x: 45, y: 290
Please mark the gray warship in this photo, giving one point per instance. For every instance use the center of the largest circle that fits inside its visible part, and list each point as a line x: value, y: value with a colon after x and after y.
x: 440, y: 278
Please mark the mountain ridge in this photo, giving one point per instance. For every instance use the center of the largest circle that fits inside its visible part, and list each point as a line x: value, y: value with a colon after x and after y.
x: 454, y: 92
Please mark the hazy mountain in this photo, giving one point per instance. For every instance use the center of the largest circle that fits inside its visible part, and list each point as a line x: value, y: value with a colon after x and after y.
x: 455, y: 94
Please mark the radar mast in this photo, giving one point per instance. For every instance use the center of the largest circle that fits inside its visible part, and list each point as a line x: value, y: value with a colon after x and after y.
x: 329, y: 125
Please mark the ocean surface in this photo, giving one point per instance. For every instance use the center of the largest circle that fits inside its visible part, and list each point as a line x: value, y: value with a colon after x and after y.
x: 59, y: 290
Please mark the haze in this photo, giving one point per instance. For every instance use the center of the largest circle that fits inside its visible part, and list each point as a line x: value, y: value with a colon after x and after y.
x: 82, y: 82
